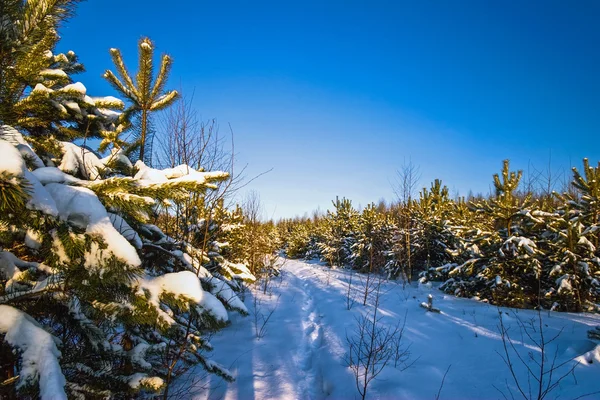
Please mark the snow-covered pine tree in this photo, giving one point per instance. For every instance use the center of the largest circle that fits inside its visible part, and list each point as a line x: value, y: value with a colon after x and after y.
x: 94, y: 300
x: 432, y: 214
x: 113, y: 285
x: 505, y: 263
x: 300, y: 237
x: 221, y: 232
x: 374, y: 236
x: 338, y: 235
x: 574, y: 267
x: 297, y: 240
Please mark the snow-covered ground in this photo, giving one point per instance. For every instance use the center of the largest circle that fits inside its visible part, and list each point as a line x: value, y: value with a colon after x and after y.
x: 303, y: 350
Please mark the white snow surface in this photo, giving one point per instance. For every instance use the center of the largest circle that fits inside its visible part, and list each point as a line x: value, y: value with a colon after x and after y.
x: 33, y: 240
x: 181, y: 173
x: 14, y: 137
x: 75, y: 87
x: 53, y: 73
x: 11, y: 160
x: 53, y: 175
x: 75, y: 201
x: 39, y: 352
x: 301, y: 355
x: 126, y: 230
x: 27, y: 152
x: 184, y: 283
x: 77, y: 159
x: 224, y: 292
x: 40, y: 198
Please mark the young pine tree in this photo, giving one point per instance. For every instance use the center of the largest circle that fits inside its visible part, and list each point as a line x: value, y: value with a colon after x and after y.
x: 146, y: 94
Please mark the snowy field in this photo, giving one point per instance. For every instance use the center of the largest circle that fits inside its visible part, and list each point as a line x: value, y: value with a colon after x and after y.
x: 303, y: 349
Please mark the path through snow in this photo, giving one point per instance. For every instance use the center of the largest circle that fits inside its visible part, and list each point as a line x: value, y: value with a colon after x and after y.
x: 302, y: 354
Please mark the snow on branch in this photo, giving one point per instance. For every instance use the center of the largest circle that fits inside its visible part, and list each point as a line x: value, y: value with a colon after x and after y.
x: 39, y: 353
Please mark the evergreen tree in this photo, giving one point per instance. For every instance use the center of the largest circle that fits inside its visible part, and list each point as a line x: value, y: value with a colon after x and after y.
x: 574, y: 269
x: 505, y: 267
x: 146, y: 94
x: 37, y: 92
x: 339, y: 233
x: 373, y: 238
x: 431, y: 215
x: 95, y: 301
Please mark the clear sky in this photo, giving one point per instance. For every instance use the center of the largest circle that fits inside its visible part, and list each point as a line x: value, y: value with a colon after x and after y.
x: 336, y: 95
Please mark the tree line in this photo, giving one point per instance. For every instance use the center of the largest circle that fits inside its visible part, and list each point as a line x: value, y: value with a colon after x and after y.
x: 516, y: 247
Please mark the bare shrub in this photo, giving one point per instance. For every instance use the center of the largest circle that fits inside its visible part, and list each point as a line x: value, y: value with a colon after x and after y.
x: 373, y: 346
x: 544, y: 373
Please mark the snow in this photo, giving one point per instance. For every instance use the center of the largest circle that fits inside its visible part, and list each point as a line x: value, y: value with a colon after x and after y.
x: 184, y: 283
x: 28, y: 154
x: 226, y: 294
x: 73, y: 106
x: 81, y: 204
x: 585, y: 242
x: 214, y: 307
x: 302, y: 353
x: 138, y: 354
x: 126, y: 230
x: 107, y: 100
x: 11, y: 160
x: 143, y: 380
x: 14, y: 137
x: 238, y: 271
x: 11, y: 135
x: 75, y: 87
x: 39, y: 353
x: 108, y: 114
x: 181, y: 173
x: 13, y: 163
x: 10, y: 264
x: 526, y: 243
x: 33, y: 240
x: 79, y: 160
x: 53, y: 175
x: 116, y: 155
x: 40, y: 198
x: 147, y: 173
x: 40, y: 88
x: 564, y: 284
x: 53, y: 73
x: 591, y: 357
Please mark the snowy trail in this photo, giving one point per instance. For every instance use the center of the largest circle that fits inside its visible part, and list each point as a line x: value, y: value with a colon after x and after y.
x: 302, y: 354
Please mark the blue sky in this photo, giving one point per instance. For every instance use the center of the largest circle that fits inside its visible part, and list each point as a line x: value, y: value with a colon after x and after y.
x: 335, y: 96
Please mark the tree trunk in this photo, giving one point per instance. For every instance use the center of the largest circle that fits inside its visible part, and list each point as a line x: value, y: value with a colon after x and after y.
x: 144, y: 129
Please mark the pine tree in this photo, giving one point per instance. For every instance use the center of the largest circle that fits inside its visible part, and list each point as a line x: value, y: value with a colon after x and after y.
x: 339, y: 233
x: 373, y: 238
x: 505, y: 266
x: 37, y: 92
x: 146, y: 94
x: 574, y: 269
x: 431, y: 214
x: 95, y: 300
